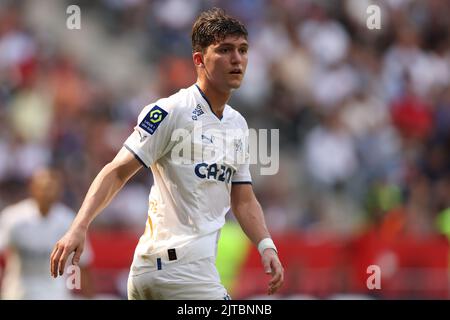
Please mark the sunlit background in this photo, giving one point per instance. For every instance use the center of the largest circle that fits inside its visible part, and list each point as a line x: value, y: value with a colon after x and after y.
x: 364, y: 119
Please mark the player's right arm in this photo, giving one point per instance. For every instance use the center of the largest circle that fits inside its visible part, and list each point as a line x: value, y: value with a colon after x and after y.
x: 105, y: 186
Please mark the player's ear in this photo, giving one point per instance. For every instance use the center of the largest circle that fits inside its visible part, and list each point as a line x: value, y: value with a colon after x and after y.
x: 198, y: 59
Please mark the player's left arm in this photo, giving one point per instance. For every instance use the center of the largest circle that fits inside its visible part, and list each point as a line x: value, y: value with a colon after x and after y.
x: 250, y: 216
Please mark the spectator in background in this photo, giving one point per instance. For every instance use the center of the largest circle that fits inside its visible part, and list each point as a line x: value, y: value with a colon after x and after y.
x: 412, y: 116
x: 332, y: 163
x: 28, y: 230
x: 330, y: 153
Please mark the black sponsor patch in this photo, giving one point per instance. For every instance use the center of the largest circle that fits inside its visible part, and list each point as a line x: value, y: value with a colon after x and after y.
x: 172, y: 254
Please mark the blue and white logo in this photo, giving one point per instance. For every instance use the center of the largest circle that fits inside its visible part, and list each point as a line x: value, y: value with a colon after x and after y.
x: 197, y: 112
x: 152, y: 120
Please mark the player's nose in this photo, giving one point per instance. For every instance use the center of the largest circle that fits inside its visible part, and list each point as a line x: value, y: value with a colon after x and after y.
x: 236, y: 57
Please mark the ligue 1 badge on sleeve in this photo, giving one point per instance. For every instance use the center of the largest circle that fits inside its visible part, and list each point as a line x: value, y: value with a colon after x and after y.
x: 152, y: 120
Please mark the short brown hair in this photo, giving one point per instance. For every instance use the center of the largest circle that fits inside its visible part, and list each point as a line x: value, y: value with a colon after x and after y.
x: 213, y: 26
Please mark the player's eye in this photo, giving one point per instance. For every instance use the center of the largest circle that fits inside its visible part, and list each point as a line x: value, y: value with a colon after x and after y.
x: 243, y: 50
x: 224, y: 50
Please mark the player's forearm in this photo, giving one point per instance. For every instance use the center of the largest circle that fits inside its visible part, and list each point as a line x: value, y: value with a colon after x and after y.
x: 102, y: 190
x: 105, y: 186
x: 251, y: 218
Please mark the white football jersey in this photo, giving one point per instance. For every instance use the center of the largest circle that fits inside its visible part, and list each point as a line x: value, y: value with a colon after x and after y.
x: 30, y: 238
x: 194, y: 157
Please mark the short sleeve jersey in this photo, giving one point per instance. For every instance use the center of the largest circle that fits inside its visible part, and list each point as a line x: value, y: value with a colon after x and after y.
x: 30, y: 238
x: 195, y: 157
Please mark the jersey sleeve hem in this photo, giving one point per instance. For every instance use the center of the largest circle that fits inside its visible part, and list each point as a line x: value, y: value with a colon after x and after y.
x: 241, y: 182
x: 138, y: 158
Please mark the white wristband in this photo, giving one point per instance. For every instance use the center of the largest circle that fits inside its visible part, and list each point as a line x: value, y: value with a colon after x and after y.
x: 266, y: 243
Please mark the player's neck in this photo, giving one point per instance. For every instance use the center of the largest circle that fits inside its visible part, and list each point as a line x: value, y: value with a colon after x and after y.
x: 44, y: 208
x: 217, y: 99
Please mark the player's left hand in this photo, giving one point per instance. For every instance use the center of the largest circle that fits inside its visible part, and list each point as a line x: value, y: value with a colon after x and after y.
x: 272, y: 265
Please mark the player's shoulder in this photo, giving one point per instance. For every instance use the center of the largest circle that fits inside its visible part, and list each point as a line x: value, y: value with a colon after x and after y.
x: 18, y: 207
x: 18, y: 212
x: 173, y: 104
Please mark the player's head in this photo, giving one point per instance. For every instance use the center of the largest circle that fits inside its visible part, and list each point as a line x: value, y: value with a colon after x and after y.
x: 45, y: 186
x: 219, y: 45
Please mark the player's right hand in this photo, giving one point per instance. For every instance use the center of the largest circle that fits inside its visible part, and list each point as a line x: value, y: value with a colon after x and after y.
x: 72, y: 241
x: 272, y: 265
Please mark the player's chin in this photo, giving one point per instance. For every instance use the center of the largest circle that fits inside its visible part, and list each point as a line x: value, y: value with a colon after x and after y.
x: 234, y: 84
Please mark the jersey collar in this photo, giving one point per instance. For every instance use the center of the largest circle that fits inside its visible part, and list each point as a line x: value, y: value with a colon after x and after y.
x: 207, y: 102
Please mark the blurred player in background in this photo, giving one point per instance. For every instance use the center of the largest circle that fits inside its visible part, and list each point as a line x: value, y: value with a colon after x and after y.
x: 28, y: 231
x: 175, y: 257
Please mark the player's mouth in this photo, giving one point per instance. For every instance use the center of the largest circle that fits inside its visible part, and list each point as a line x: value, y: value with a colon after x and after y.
x: 236, y: 71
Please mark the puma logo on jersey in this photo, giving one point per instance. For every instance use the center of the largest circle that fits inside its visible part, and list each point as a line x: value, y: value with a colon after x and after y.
x: 142, y: 136
x: 214, y: 171
x: 210, y: 140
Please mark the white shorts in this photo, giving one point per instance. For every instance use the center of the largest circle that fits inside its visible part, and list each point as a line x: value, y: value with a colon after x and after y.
x: 196, y: 280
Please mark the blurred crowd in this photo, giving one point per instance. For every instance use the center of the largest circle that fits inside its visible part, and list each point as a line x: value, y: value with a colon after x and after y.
x: 364, y: 115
